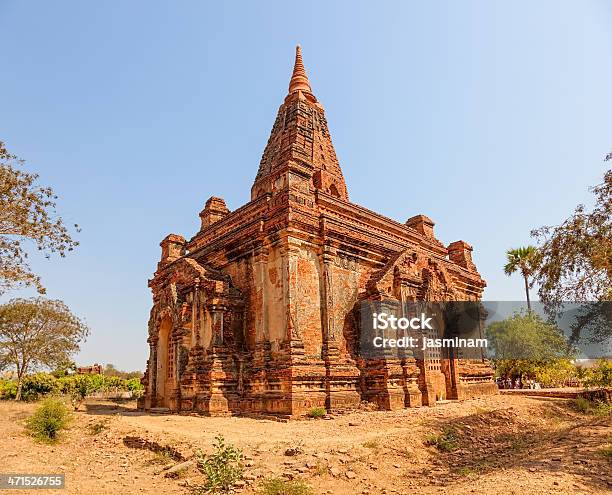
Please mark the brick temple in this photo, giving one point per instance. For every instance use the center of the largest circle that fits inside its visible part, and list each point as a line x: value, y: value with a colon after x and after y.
x: 258, y: 312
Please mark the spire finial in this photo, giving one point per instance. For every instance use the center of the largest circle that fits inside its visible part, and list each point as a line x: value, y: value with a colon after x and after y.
x: 299, y: 79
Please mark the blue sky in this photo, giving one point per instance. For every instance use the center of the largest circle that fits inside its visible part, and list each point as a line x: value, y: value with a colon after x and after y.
x: 492, y: 118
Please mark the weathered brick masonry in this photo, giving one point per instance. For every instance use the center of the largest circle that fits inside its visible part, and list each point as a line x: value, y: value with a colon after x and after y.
x: 257, y: 312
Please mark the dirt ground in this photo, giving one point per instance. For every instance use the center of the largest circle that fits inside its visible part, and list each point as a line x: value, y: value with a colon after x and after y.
x: 502, y: 444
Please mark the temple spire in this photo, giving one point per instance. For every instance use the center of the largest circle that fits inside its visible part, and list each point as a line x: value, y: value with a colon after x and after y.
x: 299, y: 155
x: 299, y: 79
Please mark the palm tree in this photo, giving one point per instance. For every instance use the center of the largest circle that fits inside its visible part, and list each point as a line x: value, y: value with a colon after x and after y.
x: 525, y: 260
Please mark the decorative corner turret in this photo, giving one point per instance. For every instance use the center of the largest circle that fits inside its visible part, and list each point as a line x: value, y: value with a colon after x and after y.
x: 422, y: 224
x: 173, y: 247
x: 460, y: 252
x: 214, y: 210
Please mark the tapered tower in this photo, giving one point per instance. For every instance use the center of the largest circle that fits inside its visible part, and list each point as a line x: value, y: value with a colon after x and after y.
x: 300, y: 150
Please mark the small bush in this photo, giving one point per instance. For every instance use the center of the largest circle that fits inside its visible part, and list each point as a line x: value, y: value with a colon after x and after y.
x: 585, y: 406
x: 134, y: 386
x: 38, y: 385
x: 51, y: 417
x: 598, y: 376
x: 607, y: 453
x: 222, y: 468
x: 603, y: 409
x: 8, y: 389
x: 317, y: 412
x: 279, y: 486
x: 446, y: 441
x: 581, y: 405
x: 79, y: 387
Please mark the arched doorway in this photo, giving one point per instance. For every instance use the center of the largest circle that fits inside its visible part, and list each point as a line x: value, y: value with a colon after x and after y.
x: 164, y: 373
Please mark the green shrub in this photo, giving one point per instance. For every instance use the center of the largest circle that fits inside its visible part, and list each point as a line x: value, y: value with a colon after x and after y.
x: 8, y: 389
x: 603, y: 409
x: 222, y: 468
x: 50, y: 418
x: 134, y: 386
x: 38, y: 385
x: 585, y: 406
x: 112, y: 383
x: 447, y: 441
x: 279, y: 486
x: 317, y: 412
x: 77, y: 386
x: 581, y: 405
x: 65, y: 384
x: 81, y: 387
x: 599, y: 376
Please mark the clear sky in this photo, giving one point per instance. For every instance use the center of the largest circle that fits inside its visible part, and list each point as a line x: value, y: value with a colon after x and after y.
x: 492, y: 118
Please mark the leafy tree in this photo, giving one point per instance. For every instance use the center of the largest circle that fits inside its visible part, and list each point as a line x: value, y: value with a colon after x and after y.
x: 37, y: 333
x: 64, y: 369
x: 524, y: 260
x: 576, y: 262
x: 525, y: 344
x: 556, y: 373
x: 27, y: 213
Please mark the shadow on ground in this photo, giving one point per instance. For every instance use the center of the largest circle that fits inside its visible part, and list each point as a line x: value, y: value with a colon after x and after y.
x: 555, y: 439
x: 124, y: 407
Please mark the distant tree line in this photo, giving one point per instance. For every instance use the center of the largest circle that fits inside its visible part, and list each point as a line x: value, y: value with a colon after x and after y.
x: 78, y: 387
x: 111, y: 370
